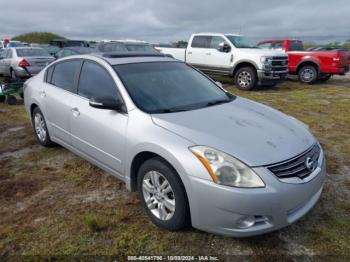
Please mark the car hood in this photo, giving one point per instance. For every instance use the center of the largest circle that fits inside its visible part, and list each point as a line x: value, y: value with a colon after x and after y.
x: 254, y: 133
x: 262, y: 52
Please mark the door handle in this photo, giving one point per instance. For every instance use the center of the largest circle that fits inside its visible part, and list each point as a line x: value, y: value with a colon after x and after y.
x: 42, y: 94
x: 189, y: 53
x: 208, y: 53
x: 75, y: 111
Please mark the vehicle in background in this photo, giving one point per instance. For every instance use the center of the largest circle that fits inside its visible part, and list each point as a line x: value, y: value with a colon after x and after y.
x: 232, y: 55
x: 74, y: 50
x: 12, y: 44
x: 313, y: 65
x: 125, y: 46
x: 68, y: 43
x: 23, y: 62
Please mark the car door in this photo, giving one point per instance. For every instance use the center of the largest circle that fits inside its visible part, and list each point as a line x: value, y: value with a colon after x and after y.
x: 217, y: 58
x: 56, y: 96
x: 98, y: 133
x: 197, y: 53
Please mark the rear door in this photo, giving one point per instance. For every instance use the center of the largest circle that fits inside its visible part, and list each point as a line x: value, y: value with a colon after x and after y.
x: 2, y: 57
x: 98, y: 133
x: 198, y: 53
x: 56, y: 96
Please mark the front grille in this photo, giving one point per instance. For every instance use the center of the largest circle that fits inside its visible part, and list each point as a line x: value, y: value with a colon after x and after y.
x: 298, y: 166
x: 279, y: 63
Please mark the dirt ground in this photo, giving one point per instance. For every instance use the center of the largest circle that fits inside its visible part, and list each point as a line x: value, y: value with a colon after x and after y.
x: 54, y: 204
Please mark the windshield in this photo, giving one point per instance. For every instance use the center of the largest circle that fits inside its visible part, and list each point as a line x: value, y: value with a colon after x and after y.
x: 140, y: 48
x: 165, y: 87
x: 240, y: 41
x: 111, y: 47
x: 25, y: 52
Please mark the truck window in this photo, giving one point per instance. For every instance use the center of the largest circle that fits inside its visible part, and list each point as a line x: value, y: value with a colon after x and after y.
x: 216, y: 41
x: 201, y: 41
x: 296, y: 45
x: 265, y: 46
x: 277, y: 45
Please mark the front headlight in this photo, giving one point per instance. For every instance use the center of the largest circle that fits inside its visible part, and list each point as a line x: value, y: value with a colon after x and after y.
x: 266, y: 59
x: 225, y: 169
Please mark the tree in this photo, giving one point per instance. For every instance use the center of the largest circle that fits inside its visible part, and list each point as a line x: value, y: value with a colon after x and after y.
x: 37, y: 37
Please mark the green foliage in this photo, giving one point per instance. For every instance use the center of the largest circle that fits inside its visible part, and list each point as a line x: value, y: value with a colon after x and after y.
x: 37, y: 37
x: 91, y: 222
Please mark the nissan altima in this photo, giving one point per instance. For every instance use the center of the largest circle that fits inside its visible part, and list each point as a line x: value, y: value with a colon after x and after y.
x: 196, y: 154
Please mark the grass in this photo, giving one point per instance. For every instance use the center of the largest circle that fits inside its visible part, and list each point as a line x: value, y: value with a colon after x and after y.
x: 52, y: 203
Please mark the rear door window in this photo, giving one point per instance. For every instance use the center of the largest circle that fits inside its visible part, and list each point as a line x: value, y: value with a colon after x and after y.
x: 64, y: 74
x: 201, y: 41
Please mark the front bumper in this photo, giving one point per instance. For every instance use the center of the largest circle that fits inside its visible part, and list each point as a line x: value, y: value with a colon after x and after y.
x: 218, y: 209
x: 265, y: 76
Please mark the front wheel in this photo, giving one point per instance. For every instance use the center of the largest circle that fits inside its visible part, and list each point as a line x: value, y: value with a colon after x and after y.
x: 308, y: 75
x: 163, y: 195
x: 40, y: 128
x: 246, y: 78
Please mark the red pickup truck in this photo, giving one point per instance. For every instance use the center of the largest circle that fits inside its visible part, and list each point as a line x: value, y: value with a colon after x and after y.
x: 310, y: 66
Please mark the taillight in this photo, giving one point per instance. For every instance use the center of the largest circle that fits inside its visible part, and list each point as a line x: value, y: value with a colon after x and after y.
x: 23, y: 63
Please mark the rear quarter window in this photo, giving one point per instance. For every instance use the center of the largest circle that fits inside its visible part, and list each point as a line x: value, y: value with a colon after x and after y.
x: 64, y: 74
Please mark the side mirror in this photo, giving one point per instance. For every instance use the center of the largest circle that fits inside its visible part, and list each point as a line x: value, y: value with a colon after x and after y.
x: 107, y: 103
x: 223, y: 47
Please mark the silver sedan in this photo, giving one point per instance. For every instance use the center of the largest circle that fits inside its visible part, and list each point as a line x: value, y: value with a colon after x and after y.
x: 196, y: 154
x: 23, y: 62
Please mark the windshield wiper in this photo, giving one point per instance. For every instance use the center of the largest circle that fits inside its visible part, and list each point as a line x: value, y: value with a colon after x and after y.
x: 168, y: 110
x: 218, y: 102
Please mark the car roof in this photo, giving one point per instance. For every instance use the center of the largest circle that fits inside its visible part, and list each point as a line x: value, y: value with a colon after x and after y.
x: 124, y: 58
x: 26, y: 47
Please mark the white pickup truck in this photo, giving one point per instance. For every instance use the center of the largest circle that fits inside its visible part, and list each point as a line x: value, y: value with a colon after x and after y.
x: 228, y: 54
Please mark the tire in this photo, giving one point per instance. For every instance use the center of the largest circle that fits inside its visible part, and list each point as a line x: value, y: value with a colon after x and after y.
x: 308, y: 74
x: 11, y: 100
x: 13, y: 74
x: 246, y: 78
x: 40, y: 128
x: 156, y: 169
x: 2, y: 99
x: 325, y: 77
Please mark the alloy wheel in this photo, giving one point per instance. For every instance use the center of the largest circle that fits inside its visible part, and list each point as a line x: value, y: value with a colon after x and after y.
x: 158, y: 195
x: 244, y: 79
x: 40, y: 127
x: 307, y: 75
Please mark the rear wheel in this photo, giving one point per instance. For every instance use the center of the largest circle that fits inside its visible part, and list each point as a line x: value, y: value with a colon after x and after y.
x: 13, y: 74
x: 2, y: 99
x: 40, y: 128
x: 246, y: 78
x: 308, y: 74
x: 163, y: 195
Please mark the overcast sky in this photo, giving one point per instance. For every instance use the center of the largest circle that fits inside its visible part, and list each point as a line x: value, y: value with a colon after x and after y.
x: 169, y: 20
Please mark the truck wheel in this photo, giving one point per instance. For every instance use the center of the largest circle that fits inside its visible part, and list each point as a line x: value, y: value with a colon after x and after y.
x: 325, y: 77
x: 308, y: 74
x: 245, y: 78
